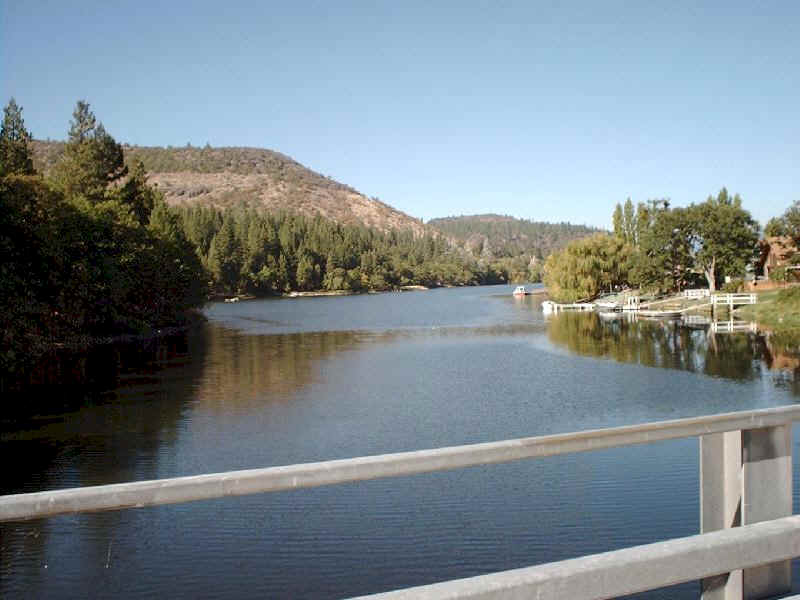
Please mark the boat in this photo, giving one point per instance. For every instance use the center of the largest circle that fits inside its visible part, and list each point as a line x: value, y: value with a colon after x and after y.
x: 610, y: 315
x: 608, y: 305
x: 520, y: 291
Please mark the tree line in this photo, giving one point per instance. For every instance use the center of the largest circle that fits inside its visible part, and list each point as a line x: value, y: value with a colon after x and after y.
x: 246, y: 251
x: 659, y: 248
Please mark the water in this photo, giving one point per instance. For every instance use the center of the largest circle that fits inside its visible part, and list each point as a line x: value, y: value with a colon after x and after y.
x: 274, y: 382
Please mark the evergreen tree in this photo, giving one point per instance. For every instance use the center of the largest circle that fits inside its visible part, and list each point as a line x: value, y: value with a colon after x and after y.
x: 92, y: 159
x: 138, y: 195
x: 15, y: 156
x: 226, y: 255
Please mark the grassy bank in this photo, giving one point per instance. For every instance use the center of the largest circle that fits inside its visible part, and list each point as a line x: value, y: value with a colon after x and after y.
x: 777, y: 310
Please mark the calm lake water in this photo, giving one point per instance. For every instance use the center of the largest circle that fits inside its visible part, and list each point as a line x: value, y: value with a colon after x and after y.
x: 274, y: 382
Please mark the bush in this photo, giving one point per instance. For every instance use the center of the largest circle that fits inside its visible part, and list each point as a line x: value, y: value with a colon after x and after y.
x: 777, y: 274
x: 733, y: 286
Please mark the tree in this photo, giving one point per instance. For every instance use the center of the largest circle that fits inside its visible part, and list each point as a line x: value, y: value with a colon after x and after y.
x: 226, y: 255
x: 138, y: 195
x: 15, y: 156
x: 776, y: 227
x: 587, y: 267
x: 663, y: 260
x: 629, y: 222
x: 92, y: 159
x: 725, y: 237
x: 616, y: 221
x: 786, y: 224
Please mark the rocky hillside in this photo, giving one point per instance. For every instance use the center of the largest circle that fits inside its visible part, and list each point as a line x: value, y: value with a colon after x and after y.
x: 254, y: 177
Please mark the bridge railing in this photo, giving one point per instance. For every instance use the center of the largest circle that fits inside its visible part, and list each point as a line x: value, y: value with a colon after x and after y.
x: 748, y: 535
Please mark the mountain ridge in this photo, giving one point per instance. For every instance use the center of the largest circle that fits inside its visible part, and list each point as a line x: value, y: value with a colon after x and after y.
x: 259, y: 178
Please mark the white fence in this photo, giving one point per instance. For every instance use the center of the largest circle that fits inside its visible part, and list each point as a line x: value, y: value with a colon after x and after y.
x: 733, y: 299
x: 699, y: 293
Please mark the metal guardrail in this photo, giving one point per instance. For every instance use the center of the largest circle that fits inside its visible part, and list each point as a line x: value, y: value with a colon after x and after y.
x: 626, y: 571
x: 740, y: 452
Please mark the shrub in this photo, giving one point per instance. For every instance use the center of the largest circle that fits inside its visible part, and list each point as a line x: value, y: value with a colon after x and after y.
x: 733, y: 286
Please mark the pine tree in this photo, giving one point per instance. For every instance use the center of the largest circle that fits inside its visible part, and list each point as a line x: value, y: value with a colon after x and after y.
x: 92, y: 158
x: 138, y: 195
x: 15, y: 156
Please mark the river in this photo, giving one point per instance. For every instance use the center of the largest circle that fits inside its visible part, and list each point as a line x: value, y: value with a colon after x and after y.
x: 283, y: 381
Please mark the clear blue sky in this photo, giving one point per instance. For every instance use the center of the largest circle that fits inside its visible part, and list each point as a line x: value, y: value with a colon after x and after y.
x: 550, y: 111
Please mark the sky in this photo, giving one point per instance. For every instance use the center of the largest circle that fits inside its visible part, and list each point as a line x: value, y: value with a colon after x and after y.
x: 550, y: 111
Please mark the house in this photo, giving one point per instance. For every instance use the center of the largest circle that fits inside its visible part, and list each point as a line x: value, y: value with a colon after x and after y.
x: 776, y: 251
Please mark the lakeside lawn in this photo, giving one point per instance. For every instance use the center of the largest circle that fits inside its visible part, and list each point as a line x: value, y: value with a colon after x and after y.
x: 777, y: 310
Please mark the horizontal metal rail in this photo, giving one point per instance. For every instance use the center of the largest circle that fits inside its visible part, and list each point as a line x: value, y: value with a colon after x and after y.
x: 138, y: 494
x: 626, y: 571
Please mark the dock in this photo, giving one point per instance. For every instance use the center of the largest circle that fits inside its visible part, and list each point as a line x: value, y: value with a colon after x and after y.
x: 674, y: 304
x: 554, y: 307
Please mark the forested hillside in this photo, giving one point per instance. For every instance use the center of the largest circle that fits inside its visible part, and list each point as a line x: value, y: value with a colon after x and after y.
x: 517, y: 246
x: 250, y: 178
x: 248, y: 251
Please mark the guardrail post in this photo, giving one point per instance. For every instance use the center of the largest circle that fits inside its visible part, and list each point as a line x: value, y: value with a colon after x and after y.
x: 746, y: 478
x: 767, y: 495
x: 720, y: 502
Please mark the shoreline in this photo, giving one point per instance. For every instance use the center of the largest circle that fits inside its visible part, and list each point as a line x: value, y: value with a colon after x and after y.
x: 328, y: 293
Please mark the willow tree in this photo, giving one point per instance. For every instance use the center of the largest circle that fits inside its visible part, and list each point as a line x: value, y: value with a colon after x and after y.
x: 587, y: 267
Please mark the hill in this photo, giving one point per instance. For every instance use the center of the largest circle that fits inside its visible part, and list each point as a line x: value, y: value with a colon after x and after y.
x: 502, y: 236
x: 250, y: 177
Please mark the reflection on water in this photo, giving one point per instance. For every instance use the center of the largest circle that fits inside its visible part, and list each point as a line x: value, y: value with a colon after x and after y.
x: 280, y: 382
x: 697, y: 346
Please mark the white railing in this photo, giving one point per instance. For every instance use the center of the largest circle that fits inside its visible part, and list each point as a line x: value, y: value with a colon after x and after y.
x: 733, y: 299
x: 734, y: 327
x: 746, y: 493
x: 699, y: 293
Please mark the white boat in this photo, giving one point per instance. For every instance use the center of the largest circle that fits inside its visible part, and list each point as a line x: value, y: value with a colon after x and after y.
x: 520, y: 291
x: 608, y: 305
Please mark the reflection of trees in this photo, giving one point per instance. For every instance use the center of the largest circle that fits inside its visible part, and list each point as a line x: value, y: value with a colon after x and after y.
x: 241, y: 372
x: 123, y: 405
x: 659, y: 343
x: 782, y: 355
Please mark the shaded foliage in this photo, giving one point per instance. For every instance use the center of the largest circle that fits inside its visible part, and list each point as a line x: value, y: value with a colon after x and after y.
x: 82, y: 258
